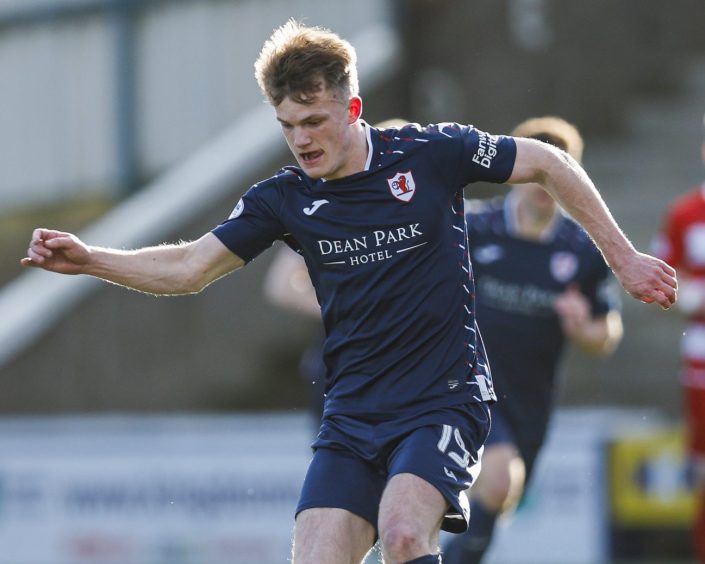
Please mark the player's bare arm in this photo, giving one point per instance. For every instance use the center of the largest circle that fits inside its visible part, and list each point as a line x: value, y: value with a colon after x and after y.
x: 175, y: 269
x: 288, y: 284
x: 597, y: 335
x: 642, y: 276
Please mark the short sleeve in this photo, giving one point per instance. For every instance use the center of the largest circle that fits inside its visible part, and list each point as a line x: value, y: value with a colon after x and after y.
x: 486, y: 157
x: 254, y: 225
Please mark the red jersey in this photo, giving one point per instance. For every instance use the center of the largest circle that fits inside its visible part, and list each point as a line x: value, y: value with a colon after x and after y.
x: 681, y: 244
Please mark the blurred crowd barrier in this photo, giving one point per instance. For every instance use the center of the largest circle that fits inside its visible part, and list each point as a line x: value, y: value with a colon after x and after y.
x: 610, y: 485
x: 150, y: 490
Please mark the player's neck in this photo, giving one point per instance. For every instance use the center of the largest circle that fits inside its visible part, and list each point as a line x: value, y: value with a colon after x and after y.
x: 534, y: 224
x: 360, y: 149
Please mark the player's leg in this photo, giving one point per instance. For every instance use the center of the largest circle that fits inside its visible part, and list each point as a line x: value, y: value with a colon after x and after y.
x: 331, y: 535
x: 497, y: 489
x: 699, y: 525
x: 410, y: 518
x: 337, y: 511
x: 430, y: 469
x: 695, y: 420
x: 500, y: 485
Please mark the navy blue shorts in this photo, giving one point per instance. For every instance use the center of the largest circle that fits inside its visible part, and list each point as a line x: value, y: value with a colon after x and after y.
x: 353, y: 460
x: 528, y: 436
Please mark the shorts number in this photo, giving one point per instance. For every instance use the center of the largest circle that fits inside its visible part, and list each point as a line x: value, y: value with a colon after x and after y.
x: 461, y: 458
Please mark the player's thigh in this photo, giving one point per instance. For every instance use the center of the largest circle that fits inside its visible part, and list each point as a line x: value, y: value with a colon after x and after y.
x: 339, y: 478
x: 494, y: 482
x: 411, y: 508
x: 337, y: 512
x: 444, y: 455
x: 331, y: 535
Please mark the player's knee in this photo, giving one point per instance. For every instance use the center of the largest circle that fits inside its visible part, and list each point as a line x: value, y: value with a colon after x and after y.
x: 401, y: 542
x: 493, y: 489
x: 501, y: 488
x: 494, y: 497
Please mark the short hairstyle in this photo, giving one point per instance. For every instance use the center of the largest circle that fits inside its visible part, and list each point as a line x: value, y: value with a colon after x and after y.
x: 555, y: 131
x: 299, y: 62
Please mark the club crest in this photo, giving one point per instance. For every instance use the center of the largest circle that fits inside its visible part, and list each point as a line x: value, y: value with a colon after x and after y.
x: 239, y: 208
x: 402, y: 186
x: 563, y: 266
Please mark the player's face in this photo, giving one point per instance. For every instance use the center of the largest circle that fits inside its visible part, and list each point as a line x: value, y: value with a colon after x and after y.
x: 319, y: 134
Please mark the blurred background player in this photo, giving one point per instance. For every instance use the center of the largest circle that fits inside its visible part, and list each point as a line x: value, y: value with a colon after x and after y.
x: 681, y: 243
x: 288, y: 285
x: 540, y: 282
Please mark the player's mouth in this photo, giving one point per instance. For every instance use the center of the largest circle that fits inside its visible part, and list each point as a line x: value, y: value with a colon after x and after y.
x: 311, y: 157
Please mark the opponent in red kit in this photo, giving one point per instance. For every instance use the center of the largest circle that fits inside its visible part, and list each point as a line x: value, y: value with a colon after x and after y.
x: 681, y: 243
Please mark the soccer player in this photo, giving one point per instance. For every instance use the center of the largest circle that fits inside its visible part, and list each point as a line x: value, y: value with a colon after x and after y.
x: 681, y: 243
x: 378, y: 217
x: 540, y: 281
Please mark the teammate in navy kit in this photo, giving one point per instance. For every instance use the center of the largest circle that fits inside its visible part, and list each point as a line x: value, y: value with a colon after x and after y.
x: 540, y: 282
x: 378, y: 217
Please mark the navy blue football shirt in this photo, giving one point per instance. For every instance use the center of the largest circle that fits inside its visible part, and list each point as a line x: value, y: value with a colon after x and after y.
x: 387, y: 253
x: 518, y: 281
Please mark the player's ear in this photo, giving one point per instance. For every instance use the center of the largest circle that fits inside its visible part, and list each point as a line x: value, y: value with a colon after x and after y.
x: 354, y: 109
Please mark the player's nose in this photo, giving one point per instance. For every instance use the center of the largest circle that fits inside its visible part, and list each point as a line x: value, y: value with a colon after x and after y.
x: 301, y: 137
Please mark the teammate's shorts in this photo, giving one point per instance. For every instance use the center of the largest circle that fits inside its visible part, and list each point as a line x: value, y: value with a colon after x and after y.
x: 526, y: 435
x: 353, y: 460
x: 694, y: 399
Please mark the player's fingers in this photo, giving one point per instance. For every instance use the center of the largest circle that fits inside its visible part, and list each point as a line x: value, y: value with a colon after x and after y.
x: 28, y: 262
x: 38, y: 248
x: 41, y: 234
x: 670, y: 292
x: 38, y: 255
x: 59, y: 242
x: 660, y: 298
x: 44, y: 234
x: 668, y: 289
x: 668, y: 269
x: 38, y: 234
x: 670, y: 281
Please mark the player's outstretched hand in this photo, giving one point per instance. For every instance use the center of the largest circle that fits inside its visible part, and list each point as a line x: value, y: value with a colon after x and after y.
x: 56, y: 251
x: 648, y: 279
x: 573, y: 310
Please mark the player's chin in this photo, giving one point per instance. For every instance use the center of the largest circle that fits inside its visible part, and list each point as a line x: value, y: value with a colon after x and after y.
x: 313, y: 164
x: 313, y: 172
